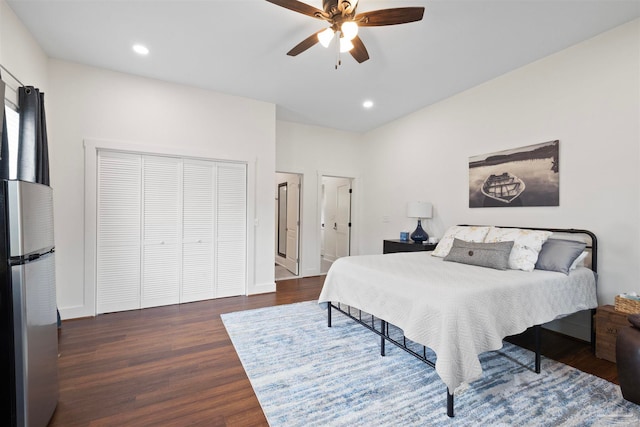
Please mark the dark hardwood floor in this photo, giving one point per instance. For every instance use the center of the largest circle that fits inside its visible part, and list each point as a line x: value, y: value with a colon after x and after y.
x: 176, y: 366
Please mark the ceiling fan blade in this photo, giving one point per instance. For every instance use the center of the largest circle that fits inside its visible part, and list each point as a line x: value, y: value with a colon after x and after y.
x: 299, y: 7
x: 399, y: 15
x: 359, y: 52
x: 304, y: 44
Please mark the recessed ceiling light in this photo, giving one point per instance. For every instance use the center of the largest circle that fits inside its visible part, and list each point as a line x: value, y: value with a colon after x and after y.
x: 140, y: 49
x: 367, y: 104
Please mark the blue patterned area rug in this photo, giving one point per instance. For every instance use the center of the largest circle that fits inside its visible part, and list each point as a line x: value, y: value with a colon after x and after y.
x: 306, y: 374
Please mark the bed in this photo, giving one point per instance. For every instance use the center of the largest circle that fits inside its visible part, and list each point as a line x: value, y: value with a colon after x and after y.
x: 459, y: 310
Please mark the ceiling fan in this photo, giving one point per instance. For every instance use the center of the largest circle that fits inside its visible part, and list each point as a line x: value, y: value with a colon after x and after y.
x: 342, y: 18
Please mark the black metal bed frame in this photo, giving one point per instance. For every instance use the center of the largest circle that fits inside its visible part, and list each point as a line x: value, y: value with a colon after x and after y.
x: 383, y: 331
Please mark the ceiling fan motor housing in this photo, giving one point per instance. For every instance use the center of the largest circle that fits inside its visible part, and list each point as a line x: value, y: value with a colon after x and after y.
x: 339, y: 7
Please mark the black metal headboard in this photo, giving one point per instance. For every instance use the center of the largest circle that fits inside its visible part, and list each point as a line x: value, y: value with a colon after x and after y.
x: 593, y: 245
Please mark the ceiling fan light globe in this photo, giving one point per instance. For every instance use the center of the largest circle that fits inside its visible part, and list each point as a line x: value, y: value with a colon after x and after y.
x: 349, y: 29
x: 345, y: 45
x: 325, y: 37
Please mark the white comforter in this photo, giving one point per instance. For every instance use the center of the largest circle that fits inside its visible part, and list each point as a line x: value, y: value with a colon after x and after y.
x: 457, y: 310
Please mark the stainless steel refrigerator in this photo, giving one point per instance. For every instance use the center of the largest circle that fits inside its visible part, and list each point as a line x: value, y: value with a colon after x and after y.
x: 28, y: 328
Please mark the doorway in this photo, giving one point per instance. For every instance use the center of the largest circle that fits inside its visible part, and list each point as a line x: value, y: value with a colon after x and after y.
x: 287, y: 261
x: 335, y: 220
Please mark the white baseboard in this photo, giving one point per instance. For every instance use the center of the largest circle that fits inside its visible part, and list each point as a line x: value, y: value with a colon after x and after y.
x: 75, y: 312
x: 309, y: 272
x: 262, y: 288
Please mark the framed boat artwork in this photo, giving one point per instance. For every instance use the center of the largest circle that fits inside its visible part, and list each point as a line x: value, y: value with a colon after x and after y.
x: 524, y: 176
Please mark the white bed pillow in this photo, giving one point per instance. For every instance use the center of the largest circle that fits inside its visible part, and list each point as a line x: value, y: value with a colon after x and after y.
x: 461, y: 232
x: 526, y: 246
x: 579, y: 262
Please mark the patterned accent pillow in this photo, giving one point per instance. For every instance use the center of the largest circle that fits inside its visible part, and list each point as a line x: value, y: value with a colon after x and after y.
x: 492, y: 255
x: 466, y: 233
x: 526, y: 246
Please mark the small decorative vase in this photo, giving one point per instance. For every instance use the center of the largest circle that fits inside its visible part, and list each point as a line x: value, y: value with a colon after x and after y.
x: 419, y: 235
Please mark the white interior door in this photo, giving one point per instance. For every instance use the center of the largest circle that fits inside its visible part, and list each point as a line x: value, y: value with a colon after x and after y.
x: 118, y: 248
x: 293, y: 223
x: 330, y: 220
x: 198, y: 262
x: 162, y: 218
x: 169, y: 230
x: 343, y: 220
x: 231, y: 247
x: 336, y: 219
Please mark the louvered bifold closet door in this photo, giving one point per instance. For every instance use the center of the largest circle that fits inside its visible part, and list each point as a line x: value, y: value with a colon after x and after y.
x: 198, y: 263
x: 118, y: 232
x: 231, y: 208
x: 162, y: 243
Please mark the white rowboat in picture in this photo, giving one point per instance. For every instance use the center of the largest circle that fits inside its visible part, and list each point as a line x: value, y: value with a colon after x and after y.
x: 504, y: 188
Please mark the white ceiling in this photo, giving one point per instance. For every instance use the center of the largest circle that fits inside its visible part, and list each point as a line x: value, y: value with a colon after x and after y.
x: 239, y: 47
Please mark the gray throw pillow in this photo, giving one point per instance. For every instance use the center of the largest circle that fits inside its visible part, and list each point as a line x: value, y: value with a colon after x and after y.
x: 559, y: 254
x: 492, y: 255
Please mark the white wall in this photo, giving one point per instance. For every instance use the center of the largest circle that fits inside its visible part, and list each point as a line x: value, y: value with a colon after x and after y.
x: 93, y: 104
x: 312, y: 152
x: 19, y: 51
x: 587, y: 96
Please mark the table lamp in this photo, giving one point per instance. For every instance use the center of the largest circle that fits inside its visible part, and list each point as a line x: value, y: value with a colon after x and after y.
x: 419, y: 210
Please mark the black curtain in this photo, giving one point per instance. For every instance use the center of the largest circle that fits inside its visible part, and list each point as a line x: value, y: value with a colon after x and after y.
x: 33, y: 151
x: 4, y: 147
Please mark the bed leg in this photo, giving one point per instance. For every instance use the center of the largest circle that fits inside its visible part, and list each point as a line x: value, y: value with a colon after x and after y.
x: 593, y: 331
x: 329, y: 314
x: 382, y: 340
x: 536, y: 330
x: 449, y: 404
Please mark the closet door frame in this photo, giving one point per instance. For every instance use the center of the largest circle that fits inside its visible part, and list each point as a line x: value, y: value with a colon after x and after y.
x: 87, y: 306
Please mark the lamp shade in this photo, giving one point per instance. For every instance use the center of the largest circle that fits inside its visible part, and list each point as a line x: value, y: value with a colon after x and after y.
x: 325, y: 37
x: 349, y: 30
x: 419, y: 210
x: 345, y: 45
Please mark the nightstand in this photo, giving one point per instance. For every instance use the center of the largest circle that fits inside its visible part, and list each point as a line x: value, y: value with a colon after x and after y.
x: 393, y: 246
x: 608, y: 322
